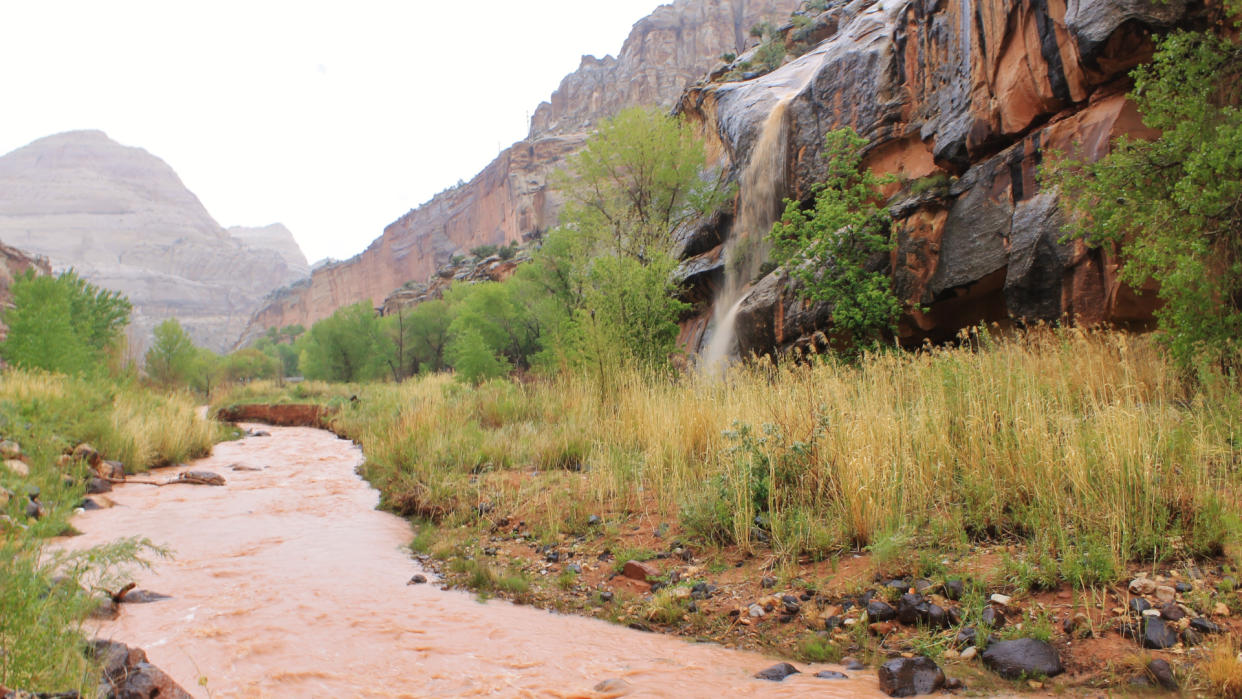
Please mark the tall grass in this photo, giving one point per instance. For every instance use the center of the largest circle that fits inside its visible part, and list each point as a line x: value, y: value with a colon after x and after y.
x: 44, y: 596
x: 1082, y: 443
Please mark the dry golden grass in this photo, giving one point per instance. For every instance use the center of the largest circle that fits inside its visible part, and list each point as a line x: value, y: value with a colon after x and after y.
x: 1078, y: 441
x: 1222, y: 672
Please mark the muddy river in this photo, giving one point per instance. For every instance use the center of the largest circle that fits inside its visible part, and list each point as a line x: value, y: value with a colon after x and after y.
x: 287, y: 582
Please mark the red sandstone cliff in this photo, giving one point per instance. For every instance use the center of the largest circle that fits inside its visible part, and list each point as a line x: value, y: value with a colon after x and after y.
x: 509, y: 199
x: 977, y: 92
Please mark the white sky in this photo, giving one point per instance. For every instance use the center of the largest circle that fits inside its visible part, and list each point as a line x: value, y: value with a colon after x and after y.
x: 334, y: 118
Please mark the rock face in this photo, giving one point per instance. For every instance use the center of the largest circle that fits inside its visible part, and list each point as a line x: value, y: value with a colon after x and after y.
x: 973, y: 93
x: 14, y: 262
x: 125, y: 221
x: 278, y: 238
x: 1022, y: 657
x: 510, y: 200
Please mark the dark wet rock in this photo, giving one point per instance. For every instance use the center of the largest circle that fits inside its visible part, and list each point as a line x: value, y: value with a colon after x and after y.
x: 1022, y: 657
x: 594, y: 521
x: 878, y: 610
x: 1183, y: 587
x: 90, y: 505
x: 767, y: 582
x: 1172, y: 612
x: 33, y: 509
x: 87, y: 453
x: 574, y: 568
x: 954, y: 684
x: 922, y: 585
x: 954, y: 589
x: 1203, y: 625
x: 701, y: 591
x: 418, y: 579
x: 146, y: 681
x: 1138, y: 605
x: 853, y: 664
x: 910, y: 608
x: 955, y: 616
x: 1158, y: 635
x: 777, y: 672
x: 966, y: 637
x: 791, y: 603
x: 95, y: 486
x: 1190, y: 638
x: 935, y: 616
x: 831, y: 675
x: 832, y: 622
x: 107, y: 610
x: 552, y: 557
x: 1162, y: 673
x: 902, y: 585
x: 907, y: 677
x: 993, y: 618
x: 143, y: 597
x: 606, y: 596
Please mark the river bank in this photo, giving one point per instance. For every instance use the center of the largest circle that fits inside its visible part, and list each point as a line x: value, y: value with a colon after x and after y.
x: 288, y: 582
x: 1024, y: 487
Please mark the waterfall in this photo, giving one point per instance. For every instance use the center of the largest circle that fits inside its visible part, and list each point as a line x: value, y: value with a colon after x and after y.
x: 762, y: 188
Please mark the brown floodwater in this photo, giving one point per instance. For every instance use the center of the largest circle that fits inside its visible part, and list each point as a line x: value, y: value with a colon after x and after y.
x: 287, y: 582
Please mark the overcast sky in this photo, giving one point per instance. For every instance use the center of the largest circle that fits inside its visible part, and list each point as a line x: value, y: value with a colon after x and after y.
x: 334, y: 118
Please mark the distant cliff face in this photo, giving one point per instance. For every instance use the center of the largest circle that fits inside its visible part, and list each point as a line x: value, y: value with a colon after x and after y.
x: 13, y: 263
x: 124, y: 220
x: 510, y: 199
x: 974, y: 93
x: 277, y: 238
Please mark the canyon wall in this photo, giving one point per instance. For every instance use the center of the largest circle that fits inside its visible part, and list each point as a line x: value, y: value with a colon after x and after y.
x: 962, y: 99
x: 125, y: 221
x: 510, y: 199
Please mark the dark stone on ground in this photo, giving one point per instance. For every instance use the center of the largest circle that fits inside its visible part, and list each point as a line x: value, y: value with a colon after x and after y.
x: 791, y: 604
x: 593, y: 520
x: 418, y: 579
x: 831, y: 675
x: 1203, y: 625
x: 767, y: 582
x: 1021, y: 657
x: 1157, y: 635
x: 935, y: 616
x: 95, y: 486
x: 878, y: 610
x: 606, y: 595
x: 1163, y: 674
x: 993, y: 618
x: 1138, y: 605
x: 955, y: 616
x: 853, y: 664
x: 1183, y: 587
x: 786, y: 618
x: 1171, y: 612
x: 907, y: 677
x: 832, y: 622
x: 1190, y: 638
x: 922, y: 585
x: 966, y: 637
x: 146, y: 681
x: 902, y: 585
x: 90, y: 505
x: 954, y: 589
x: 33, y: 510
x: 777, y: 672
x: 908, y: 608
x: 954, y: 684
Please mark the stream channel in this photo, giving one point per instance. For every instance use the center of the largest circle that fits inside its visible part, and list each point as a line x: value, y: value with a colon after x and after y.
x: 287, y: 582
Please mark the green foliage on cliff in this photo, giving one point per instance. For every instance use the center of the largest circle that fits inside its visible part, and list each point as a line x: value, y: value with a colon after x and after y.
x: 1173, y: 206
x: 831, y: 248
x: 63, y: 324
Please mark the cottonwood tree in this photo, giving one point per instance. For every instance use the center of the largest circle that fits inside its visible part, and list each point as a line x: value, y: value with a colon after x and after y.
x: 63, y: 323
x: 350, y: 345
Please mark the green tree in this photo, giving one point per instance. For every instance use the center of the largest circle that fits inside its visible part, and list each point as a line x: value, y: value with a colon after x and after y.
x: 1172, y: 206
x: 250, y: 364
x: 427, y: 335
x: 474, y: 360
x: 350, y: 345
x: 601, y: 285
x: 170, y: 359
x: 828, y: 247
x: 63, y: 323
x: 503, y: 322
x: 206, y: 371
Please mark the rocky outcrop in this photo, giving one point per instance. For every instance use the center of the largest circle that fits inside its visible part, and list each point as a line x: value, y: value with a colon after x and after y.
x: 973, y: 93
x: 510, y: 199
x: 125, y: 221
x: 284, y: 414
x: 278, y: 238
x: 14, y: 262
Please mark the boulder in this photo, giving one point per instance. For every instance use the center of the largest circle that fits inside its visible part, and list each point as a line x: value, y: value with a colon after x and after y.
x: 642, y: 572
x: 879, y: 610
x: 907, y: 677
x: 86, y: 453
x: 1158, y: 635
x: 1023, y: 657
x: 146, y: 681
x: 94, y: 486
x: 112, y: 470
x: 1162, y: 673
x: 17, y: 468
x: 10, y: 450
x: 777, y: 672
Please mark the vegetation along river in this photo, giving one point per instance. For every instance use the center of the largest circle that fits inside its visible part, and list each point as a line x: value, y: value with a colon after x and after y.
x: 288, y: 582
